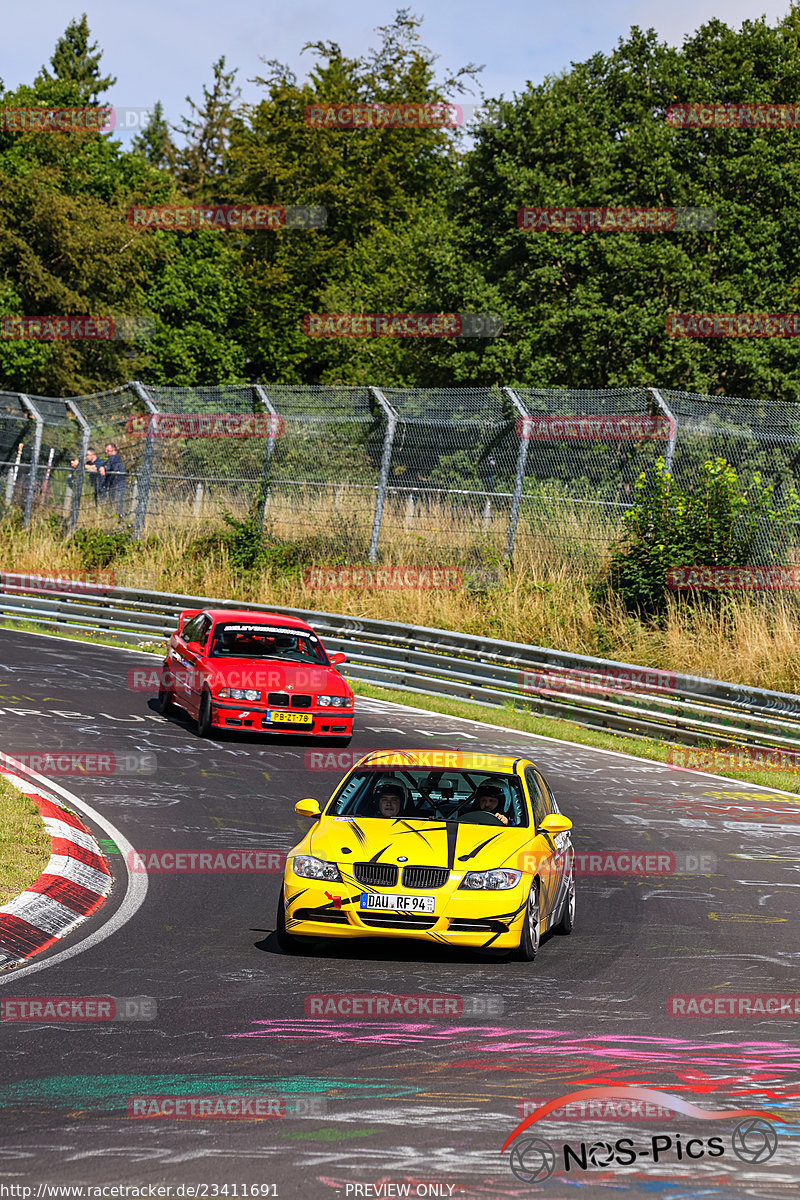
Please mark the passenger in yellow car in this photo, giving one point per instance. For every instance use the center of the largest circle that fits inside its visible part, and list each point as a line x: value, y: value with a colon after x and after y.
x: 390, y: 802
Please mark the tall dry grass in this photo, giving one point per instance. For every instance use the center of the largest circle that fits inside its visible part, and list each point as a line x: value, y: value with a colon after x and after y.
x: 546, y: 599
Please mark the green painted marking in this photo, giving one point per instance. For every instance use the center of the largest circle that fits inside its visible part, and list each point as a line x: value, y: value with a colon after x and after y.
x: 114, y: 1091
x: 327, y: 1135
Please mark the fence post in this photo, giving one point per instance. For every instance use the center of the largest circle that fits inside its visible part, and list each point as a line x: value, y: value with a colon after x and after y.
x: 409, y: 509
x: 146, y: 473
x: 37, y: 446
x: 673, y: 427
x: 78, y: 473
x: 11, y: 477
x: 264, y: 493
x: 519, y: 478
x: 386, y: 466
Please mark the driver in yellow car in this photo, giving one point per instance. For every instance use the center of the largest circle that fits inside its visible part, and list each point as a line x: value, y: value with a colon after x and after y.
x: 489, y: 799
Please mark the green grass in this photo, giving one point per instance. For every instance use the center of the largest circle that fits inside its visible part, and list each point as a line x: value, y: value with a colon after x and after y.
x: 24, y: 843
x: 503, y: 718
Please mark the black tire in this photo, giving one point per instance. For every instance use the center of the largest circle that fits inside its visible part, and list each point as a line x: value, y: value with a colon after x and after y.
x: 204, y: 715
x: 165, y: 705
x: 287, y: 942
x: 531, y: 926
x: 567, y: 922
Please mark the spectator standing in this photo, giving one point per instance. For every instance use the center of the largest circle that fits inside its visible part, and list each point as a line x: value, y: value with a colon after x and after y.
x: 114, y: 472
x: 95, y: 469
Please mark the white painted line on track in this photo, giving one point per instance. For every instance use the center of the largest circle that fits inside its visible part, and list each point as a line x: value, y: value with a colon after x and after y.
x: 428, y: 712
x: 135, y: 893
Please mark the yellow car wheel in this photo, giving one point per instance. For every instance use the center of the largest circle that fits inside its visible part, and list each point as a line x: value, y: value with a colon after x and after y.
x: 531, y: 926
x: 567, y: 922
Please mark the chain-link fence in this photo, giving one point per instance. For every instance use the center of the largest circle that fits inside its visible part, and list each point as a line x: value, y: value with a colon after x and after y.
x: 471, y: 474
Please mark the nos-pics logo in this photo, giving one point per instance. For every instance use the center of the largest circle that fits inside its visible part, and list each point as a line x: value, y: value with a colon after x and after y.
x: 534, y: 1159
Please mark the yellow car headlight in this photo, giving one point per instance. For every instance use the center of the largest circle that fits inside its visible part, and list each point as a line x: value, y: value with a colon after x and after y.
x: 491, y: 881
x: 315, y: 868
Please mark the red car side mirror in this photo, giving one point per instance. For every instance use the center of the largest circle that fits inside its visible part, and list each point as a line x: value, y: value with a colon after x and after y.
x: 194, y: 647
x: 338, y: 659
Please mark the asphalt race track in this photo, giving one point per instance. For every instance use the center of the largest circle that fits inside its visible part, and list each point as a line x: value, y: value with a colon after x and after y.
x: 375, y: 1104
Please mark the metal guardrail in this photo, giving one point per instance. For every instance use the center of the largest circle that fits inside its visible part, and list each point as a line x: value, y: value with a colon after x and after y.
x: 593, y: 692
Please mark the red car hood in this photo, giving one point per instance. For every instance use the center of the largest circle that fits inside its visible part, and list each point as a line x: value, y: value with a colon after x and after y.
x: 275, y: 675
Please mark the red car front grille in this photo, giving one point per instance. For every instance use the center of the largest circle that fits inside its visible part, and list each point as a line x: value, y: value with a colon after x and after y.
x: 284, y: 700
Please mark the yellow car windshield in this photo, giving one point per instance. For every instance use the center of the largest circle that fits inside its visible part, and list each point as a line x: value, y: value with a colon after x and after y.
x: 472, y: 797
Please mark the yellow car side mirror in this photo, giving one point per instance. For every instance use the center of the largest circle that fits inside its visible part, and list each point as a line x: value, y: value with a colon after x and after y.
x: 554, y: 823
x: 308, y: 808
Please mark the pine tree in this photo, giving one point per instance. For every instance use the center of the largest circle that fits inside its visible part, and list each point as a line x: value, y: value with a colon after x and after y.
x: 154, y: 143
x: 207, y: 132
x: 77, y: 61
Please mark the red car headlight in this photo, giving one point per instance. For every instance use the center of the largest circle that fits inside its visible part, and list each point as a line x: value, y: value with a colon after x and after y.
x: 252, y: 694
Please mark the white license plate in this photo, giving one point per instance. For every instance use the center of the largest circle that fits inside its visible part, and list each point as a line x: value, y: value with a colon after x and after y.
x: 421, y: 904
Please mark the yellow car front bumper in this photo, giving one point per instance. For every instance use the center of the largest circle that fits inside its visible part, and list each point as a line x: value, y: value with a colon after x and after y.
x: 461, y: 918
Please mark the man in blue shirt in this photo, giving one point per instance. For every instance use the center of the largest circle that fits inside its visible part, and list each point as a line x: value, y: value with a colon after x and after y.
x: 114, y: 472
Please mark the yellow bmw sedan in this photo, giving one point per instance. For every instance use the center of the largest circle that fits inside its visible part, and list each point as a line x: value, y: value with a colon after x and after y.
x: 460, y: 849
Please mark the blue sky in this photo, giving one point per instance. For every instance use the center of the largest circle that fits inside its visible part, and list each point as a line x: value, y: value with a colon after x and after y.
x: 164, y: 50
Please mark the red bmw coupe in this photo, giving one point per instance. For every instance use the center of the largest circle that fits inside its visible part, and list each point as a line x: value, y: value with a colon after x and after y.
x: 255, y: 670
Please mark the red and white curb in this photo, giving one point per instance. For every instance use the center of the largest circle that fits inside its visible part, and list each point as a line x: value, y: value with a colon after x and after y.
x: 74, y: 883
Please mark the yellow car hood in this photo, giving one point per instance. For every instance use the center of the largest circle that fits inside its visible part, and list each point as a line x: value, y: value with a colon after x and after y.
x: 459, y: 846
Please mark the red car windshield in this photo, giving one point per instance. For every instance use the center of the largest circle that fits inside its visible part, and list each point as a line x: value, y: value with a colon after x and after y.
x: 234, y: 639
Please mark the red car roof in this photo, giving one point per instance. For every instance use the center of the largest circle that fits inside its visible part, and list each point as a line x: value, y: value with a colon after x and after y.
x: 256, y: 618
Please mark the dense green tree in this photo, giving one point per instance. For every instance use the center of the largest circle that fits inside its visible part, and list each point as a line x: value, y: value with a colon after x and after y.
x: 417, y: 220
x: 378, y: 187
x: 589, y: 310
